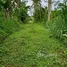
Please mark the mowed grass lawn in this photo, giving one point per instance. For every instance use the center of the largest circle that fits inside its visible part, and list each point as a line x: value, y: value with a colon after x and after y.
x: 32, y: 47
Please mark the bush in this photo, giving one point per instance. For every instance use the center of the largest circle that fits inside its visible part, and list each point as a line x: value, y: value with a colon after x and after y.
x: 59, y: 24
x: 7, y: 27
x: 23, y: 15
x: 3, y: 35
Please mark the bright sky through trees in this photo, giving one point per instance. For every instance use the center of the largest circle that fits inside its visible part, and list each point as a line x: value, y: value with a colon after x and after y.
x: 43, y: 3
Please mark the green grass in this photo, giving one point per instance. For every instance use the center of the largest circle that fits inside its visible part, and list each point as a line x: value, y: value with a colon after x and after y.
x: 32, y: 47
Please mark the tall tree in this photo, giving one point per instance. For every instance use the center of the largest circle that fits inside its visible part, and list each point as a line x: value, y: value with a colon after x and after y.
x: 49, y: 9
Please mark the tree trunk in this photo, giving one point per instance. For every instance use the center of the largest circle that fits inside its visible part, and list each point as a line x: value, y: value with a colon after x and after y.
x: 19, y: 3
x: 49, y: 9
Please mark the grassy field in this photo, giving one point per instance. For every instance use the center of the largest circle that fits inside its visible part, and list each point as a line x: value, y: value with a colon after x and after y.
x: 32, y: 47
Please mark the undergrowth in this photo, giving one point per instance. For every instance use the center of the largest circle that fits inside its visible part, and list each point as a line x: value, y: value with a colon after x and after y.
x: 7, y: 27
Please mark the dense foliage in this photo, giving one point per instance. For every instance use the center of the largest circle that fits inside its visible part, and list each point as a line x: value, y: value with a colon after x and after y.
x: 23, y: 16
x: 7, y: 27
x: 11, y: 17
x: 58, y: 25
x: 40, y: 13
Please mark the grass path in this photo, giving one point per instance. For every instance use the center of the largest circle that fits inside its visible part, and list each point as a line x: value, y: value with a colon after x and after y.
x: 32, y: 47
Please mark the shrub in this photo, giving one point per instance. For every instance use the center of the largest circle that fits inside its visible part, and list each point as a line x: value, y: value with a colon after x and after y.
x: 7, y: 27
x: 3, y: 35
x: 23, y: 15
x: 59, y: 24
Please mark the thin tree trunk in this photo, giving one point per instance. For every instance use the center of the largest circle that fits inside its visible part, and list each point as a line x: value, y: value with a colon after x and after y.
x: 49, y: 9
x: 19, y: 3
x: 40, y: 11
